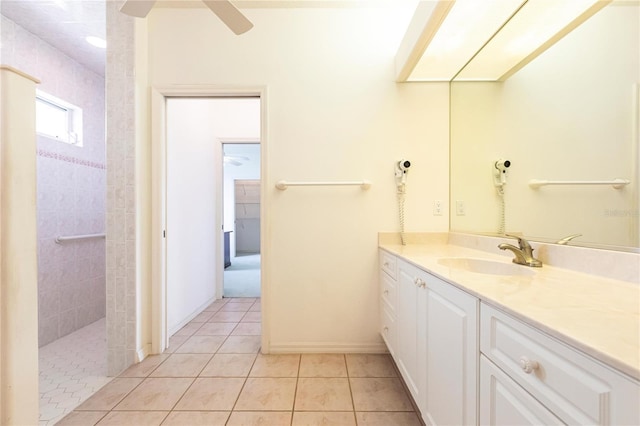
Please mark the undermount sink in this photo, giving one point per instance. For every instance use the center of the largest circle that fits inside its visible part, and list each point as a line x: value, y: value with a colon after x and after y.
x: 482, y: 266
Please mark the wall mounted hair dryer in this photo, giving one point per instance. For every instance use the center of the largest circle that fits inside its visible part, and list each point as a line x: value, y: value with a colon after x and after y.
x: 500, y: 172
x: 402, y: 167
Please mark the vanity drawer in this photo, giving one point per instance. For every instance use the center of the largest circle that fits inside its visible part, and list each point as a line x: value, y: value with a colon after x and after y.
x: 388, y: 329
x: 388, y: 264
x: 388, y: 292
x: 576, y: 388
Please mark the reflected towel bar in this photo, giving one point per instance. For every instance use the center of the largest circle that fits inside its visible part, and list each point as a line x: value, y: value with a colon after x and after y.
x: 61, y: 240
x: 283, y: 184
x: 616, y: 183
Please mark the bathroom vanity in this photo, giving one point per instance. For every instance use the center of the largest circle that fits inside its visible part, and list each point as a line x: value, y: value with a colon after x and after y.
x: 480, y: 340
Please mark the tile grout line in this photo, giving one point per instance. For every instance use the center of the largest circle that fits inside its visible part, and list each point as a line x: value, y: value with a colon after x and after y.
x: 353, y: 403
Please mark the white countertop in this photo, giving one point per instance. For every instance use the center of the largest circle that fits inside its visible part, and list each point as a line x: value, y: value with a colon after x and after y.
x: 599, y: 316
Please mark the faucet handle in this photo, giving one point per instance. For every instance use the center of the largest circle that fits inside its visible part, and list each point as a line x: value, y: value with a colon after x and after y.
x: 564, y: 241
x: 522, y: 243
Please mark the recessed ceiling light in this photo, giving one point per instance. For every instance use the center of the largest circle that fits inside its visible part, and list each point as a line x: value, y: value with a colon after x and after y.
x: 97, y: 42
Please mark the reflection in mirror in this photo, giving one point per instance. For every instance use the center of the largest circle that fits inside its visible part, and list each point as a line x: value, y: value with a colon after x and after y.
x: 570, y: 115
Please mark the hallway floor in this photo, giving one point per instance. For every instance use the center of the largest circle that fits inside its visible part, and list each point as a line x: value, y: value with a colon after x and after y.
x: 213, y: 374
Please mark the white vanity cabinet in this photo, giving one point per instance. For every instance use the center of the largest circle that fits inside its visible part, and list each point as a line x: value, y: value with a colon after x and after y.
x: 412, y: 326
x: 388, y: 300
x: 574, y: 387
x: 504, y: 402
x: 436, y: 345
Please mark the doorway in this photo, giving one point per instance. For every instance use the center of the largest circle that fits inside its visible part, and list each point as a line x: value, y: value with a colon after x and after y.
x: 241, y: 223
x: 193, y: 245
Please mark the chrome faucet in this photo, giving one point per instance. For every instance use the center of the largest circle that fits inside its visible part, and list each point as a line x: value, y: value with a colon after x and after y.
x: 564, y: 241
x: 523, y: 254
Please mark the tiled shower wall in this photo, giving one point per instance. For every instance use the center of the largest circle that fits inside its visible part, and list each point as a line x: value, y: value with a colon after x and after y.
x: 121, y: 191
x: 71, y: 189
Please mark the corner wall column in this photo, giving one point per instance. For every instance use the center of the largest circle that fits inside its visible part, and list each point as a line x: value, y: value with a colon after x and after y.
x: 18, y: 250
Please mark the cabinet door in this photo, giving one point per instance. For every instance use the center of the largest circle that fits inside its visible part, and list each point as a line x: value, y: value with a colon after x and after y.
x: 504, y: 403
x: 452, y: 355
x: 411, y: 328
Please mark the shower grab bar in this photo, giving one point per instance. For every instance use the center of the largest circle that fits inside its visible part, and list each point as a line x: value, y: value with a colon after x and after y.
x: 283, y: 184
x: 61, y: 240
x: 616, y: 183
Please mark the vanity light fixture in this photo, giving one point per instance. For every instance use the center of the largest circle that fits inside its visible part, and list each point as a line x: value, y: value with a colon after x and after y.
x: 96, y: 41
x: 486, y: 40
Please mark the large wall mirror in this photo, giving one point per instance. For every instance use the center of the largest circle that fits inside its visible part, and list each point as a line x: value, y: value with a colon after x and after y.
x: 572, y: 114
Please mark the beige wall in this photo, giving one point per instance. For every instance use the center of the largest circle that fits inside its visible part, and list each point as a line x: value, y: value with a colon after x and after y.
x: 18, y: 250
x: 333, y: 113
x: 568, y: 115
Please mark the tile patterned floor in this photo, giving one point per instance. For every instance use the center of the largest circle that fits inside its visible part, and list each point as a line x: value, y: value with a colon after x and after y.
x: 213, y: 374
x: 72, y: 369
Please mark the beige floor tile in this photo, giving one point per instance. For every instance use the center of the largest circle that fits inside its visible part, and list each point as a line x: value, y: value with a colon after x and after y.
x: 241, y: 345
x: 236, y: 307
x: 370, y: 365
x: 229, y: 365
x: 267, y: 394
x: 174, y: 343
x: 82, y: 418
x: 133, y: 418
x: 323, y: 394
x: 387, y: 419
x: 323, y: 365
x: 243, y: 299
x: 252, y: 317
x: 211, y: 394
x: 379, y: 394
x: 155, y: 394
x: 227, y: 317
x: 256, y: 307
x: 324, y: 418
x: 269, y: 418
x: 196, y: 418
x: 276, y: 366
x: 202, y: 317
x: 144, y: 368
x: 201, y: 345
x: 182, y: 365
x: 215, y: 306
x: 248, y: 329
x: 110, y: 394
x: 188, y: 329
x: 216, y: 329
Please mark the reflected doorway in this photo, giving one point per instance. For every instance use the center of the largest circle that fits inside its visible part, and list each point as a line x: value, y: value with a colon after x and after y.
x: 241, y: 219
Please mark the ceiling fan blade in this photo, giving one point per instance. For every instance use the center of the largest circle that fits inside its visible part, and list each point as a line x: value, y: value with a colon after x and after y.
x: 230, y: 15
x: 137, y: 8
x: 232, y: 161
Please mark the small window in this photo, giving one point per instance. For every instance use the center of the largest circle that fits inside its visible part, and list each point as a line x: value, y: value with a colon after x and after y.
x: 57, y: 119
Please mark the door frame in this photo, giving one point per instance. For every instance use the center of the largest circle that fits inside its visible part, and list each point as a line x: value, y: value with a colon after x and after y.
x: 158, y: 297
x: 220, y: 199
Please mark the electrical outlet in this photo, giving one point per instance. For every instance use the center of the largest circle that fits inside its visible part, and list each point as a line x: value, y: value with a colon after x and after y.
x: 437, y: 207
x: 461, y: 209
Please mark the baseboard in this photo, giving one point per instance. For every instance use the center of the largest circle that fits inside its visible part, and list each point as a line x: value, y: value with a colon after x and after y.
x: 143, y: 352
x: 171, y: 331
x: 327, y: 348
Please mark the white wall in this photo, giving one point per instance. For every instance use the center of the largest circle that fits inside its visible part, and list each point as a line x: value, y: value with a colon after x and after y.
x: 568, y: 115
x: 194, y: 129
x: 333, y: 113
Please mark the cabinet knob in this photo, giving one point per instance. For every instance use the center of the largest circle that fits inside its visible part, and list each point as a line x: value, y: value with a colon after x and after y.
x: 420, y: 283
x: 386, y: 292
x: 386, y: 264
x: 386, y: 329
x: 527, y: 365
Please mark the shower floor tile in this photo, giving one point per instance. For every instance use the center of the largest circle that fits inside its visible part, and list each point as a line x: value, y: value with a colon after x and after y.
x: 72, y: 369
